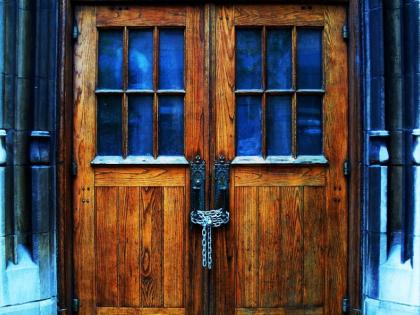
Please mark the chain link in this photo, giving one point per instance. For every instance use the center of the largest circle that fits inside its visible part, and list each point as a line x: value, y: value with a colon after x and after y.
x: 208, y: 220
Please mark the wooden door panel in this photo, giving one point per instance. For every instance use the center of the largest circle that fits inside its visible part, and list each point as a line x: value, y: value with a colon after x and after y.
x: 131, y: 211
x: 286, y: 244
x: 140, y: 246
x: 279, y: 245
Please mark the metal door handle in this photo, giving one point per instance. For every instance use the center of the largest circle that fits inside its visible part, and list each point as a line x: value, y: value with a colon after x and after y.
x: 209, y: 219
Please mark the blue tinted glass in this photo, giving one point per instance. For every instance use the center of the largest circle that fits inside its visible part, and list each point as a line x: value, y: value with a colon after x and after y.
x: 110, y: 65
x: 309, y: 59
x: 171, y: 59
x: 279, y: 59
x: 140, y: 125
x: 279, y: 125
x: 109, y: 125
x: 248, y: 59
x: 309, y: 125
x: 248, y: 125
x: 171, y: 125
x: 140, y: 60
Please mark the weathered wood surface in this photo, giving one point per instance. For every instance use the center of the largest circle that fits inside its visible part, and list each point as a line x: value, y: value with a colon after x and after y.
x: 286, y: 244
x: 83, y: 152
x: 280, y: 242
x: 140, y: 245
x: 131, y: 221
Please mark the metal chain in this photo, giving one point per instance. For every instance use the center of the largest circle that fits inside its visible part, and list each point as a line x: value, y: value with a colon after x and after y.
x: 208, y: 220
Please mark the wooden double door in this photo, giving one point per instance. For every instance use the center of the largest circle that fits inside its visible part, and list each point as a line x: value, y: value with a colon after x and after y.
x: 263, y: 85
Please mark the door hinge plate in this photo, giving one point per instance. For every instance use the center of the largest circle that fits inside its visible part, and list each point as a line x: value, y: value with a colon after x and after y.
x: 347, y: 309
x: 346, y: 168
x: 75, y: 305
x: 74, y: 168
x: 75, y: 31
x: 345, y: 32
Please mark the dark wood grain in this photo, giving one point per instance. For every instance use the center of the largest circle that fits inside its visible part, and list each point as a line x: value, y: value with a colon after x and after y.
x: 64, y: 144
x: 129, y: 236
x: 308, y: 198
x: 314, y: 245
x: 141, y: 16
x: 106, y: 239
x: 246, y: 225
x: 291, y: 258
x: 269, y: 242
x: 151, y: 254
x: 336, y: 150
x: 173, y: 246
x: 225, y: 83
x: 83, y: 153
x: 355, y: 153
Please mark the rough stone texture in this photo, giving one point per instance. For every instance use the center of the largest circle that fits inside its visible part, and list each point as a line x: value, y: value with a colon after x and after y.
x: 391, y: 204
x: 28, y: 51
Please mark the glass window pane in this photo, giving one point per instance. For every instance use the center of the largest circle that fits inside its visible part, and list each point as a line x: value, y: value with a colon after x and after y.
x: 248, y: 59
x: 248, y: 125
x: 279, y: 59
x: 140, y: 59
x: 309, y: 59
x: 309, y: 125
x: 279, y: 125
x: 110, y: 63
x: 140, y: 125
x: 109, y: 125
x: 171, y: 59
x: 171, y: 125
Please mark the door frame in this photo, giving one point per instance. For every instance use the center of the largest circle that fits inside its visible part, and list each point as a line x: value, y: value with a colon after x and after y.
x: 65, y: 136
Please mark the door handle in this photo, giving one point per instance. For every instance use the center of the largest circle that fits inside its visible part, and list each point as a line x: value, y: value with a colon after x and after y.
x: 209, y: 219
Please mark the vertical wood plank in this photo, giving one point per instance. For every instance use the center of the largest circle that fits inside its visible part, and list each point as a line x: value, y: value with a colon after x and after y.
x: 107, y: 246
x: 129, y: 246
x: 151, y: 246
x: 291, y: 261
x: 335, y: 147
x: 225, y: 76
x: 83, y: 152
x: 173, y: 246
x: 196, y: 100
x: 269, y: 236
x: 247, y: 246
x: 314, y: 243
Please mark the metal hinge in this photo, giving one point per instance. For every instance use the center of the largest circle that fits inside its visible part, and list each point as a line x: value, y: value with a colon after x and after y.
x: 75, y: 305
x: 74, y: 168
x: 346, y: 168
x: 347, y: 309
x: 75, y: 31
x: 345, y: 32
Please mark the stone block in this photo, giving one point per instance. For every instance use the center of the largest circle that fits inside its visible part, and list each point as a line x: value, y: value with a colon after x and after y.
x: 23, y: 282
x: 376, y: 307
x: 22, y: 309
x: 48, y: 307
x: 23, y: 100
x: 21, y: 212
x: 375, y: 255
x: 41, y: 199
x: 41, y: 252
x: 376, y: 218
x: 2, y: 201
x: 3, y: 259
x: 40, y: 147
x: 17, y: 143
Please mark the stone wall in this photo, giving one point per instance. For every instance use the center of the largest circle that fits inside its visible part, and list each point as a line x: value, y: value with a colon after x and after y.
x: 28, y: 58
x: 391, y: 208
